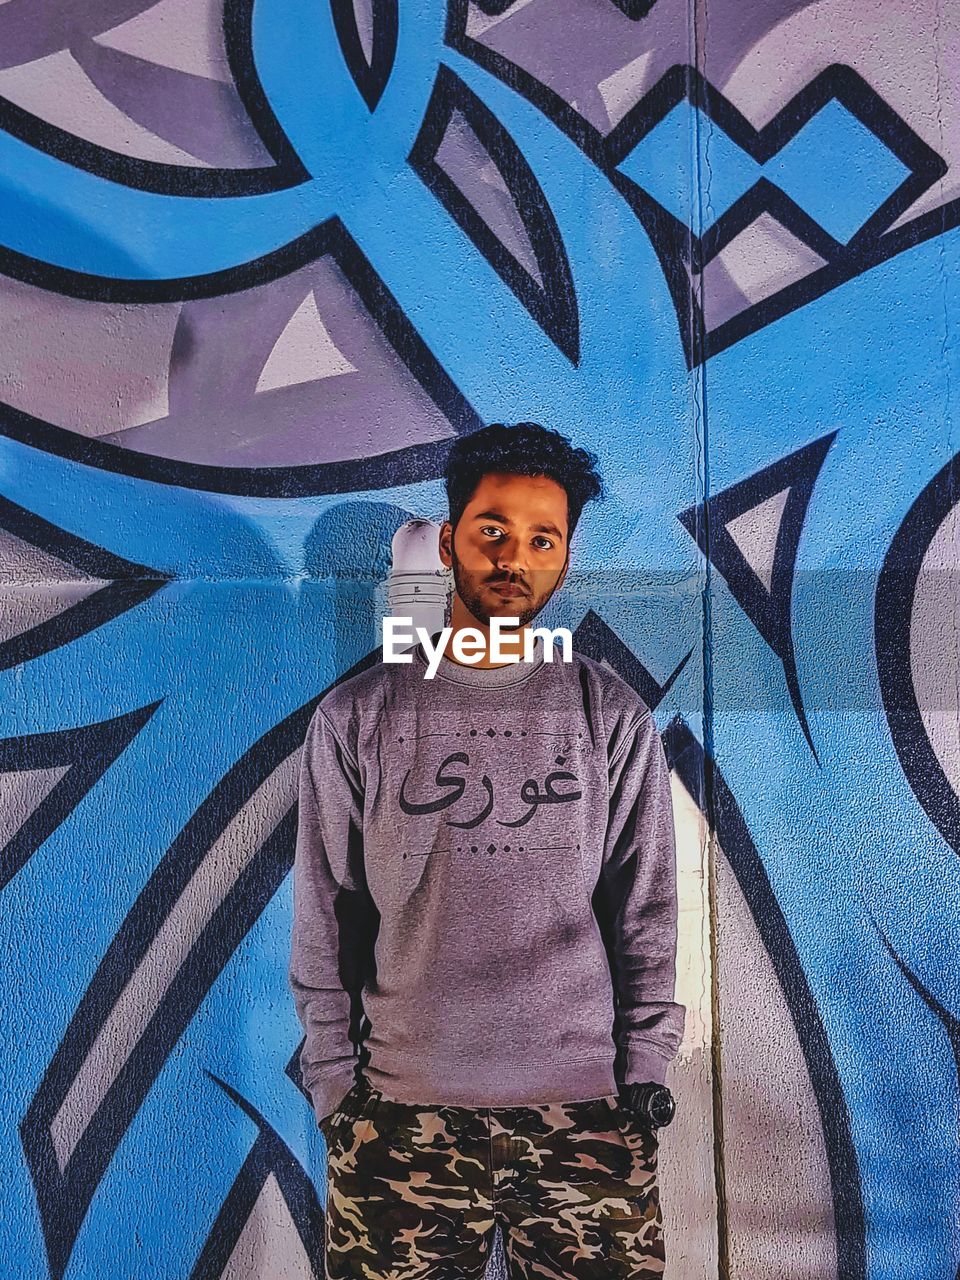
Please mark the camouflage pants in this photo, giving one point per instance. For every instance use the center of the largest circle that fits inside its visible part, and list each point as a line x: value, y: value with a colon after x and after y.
x: 413, y: 1193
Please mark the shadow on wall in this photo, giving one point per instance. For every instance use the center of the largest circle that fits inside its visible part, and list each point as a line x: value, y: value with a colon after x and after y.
x: 348, y: 553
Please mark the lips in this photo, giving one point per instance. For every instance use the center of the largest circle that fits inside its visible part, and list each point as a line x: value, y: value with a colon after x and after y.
x: 510, y: 591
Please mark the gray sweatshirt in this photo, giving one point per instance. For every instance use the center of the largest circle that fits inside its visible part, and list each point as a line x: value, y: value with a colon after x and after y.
x: 485, y: 899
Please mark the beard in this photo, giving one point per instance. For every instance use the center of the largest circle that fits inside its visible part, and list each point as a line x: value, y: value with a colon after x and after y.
x: 472, y: 586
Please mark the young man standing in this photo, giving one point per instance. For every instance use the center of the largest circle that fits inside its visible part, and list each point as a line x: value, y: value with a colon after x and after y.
x: 485, y: 923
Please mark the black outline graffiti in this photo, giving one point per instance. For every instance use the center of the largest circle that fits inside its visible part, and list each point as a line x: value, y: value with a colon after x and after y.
x: 950, y: 1024
x: 326, y: 237
x: 554, y: 304
x: 407, y: 465
x: 770, y: 612
x: 633, y: 9
x: 595, y: 639
x: 836, y: 83
x: 87, y: 751
x: 494, y: 8
x: 677, y: 248
x: 174, y: 179
x: 369, y: 77
x: 293, y: 1070
x: 268, y: 1156
x: 893, y: 609
x: 133, y: 584
x: 704, y: 782
x: 238, y: 39
x: 63, y: 1199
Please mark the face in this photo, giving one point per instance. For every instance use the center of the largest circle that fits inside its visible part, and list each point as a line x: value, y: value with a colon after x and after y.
x: 509, y: 552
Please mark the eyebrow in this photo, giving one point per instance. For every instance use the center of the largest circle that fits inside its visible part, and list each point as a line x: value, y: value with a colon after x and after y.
x: 537, y: 528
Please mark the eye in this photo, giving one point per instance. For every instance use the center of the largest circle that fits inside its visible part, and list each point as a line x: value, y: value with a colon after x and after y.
x: 541, y: 538
x: 490, y: 528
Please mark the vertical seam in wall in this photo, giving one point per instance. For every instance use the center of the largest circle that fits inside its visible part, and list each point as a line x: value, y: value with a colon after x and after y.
x: 701, y: 199
x: 944, y: 294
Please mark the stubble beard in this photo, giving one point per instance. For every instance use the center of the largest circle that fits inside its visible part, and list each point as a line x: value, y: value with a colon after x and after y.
x: 523, y: 607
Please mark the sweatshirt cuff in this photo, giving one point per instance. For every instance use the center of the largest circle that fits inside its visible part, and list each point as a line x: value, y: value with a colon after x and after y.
x: 645, y: 1065
x: 327, y: 1094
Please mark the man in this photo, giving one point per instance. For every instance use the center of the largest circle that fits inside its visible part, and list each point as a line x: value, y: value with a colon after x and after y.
x: 485, y: 921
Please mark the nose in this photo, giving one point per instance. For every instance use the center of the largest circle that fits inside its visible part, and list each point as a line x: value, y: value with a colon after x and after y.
x: 509, y: 560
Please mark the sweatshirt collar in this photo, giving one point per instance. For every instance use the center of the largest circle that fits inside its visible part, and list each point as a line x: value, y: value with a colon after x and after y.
x: 512, y: 673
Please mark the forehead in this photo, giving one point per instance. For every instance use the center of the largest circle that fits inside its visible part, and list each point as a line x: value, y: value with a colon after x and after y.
x: 520, y: 497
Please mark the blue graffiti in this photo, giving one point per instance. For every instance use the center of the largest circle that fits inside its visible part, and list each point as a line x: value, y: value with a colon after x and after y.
x: 175, y: 697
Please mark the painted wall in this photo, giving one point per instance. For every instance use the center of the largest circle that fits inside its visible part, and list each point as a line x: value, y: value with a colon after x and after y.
x: 260, y: 264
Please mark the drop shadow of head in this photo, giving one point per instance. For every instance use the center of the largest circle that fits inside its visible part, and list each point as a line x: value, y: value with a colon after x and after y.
x: 348, y: 554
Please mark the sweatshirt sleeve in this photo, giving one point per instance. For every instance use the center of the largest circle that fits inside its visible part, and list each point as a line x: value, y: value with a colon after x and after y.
x: 638, y: 896
x: 332, y: 914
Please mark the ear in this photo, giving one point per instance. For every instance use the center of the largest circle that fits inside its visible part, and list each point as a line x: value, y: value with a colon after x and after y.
x: 445, y: 543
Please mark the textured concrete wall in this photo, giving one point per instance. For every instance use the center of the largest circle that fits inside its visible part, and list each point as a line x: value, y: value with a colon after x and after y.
x: 259, y: 264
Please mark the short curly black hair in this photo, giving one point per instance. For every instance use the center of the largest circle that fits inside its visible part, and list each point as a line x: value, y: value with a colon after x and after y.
x: 524, y: 449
